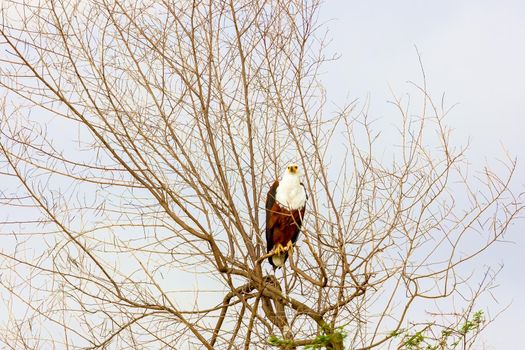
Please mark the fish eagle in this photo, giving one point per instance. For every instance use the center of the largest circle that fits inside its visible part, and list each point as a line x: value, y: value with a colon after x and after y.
x: 285, y: 205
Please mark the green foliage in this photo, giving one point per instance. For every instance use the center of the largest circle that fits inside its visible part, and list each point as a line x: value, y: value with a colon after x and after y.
x: 413, y: 342
x: 328, y: 337
x: 420, y: 340
x: 276, y: 341
x: 473, y: 324
x: 450, y: 337
x: 319, y: 342
x: 326, y: 340
x: 396, y: 333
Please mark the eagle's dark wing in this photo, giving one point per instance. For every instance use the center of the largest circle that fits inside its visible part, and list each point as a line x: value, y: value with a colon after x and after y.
x: 270, y: 201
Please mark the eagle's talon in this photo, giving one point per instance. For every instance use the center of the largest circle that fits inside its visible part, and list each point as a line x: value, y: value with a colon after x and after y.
x: 279, y: 249
x: 289, y: 247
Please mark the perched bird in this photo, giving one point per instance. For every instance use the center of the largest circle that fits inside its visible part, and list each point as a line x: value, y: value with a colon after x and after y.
x: 285, y: 205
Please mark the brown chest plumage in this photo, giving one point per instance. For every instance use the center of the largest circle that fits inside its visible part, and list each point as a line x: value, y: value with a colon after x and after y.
x: 285, y: 224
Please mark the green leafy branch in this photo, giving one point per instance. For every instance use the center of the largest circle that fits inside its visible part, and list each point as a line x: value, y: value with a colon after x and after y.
x: 450, y: 337
x: 329, y: 338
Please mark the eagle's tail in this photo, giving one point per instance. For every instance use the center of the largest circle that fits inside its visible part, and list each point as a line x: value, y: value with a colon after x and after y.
x: 278, y: 261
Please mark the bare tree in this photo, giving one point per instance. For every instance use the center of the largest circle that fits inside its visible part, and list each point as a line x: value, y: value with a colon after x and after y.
x: 138, y: 141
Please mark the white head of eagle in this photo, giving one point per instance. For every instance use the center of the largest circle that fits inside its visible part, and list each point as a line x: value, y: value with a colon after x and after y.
x: 285, y: 207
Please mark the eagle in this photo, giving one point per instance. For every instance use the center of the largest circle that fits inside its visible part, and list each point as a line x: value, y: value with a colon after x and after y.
x: 285, y: 206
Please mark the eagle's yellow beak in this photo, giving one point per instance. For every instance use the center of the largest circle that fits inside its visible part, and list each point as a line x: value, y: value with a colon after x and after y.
x: 292, y: 169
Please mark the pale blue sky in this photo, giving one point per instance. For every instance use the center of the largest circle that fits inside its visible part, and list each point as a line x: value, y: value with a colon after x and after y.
x: 474, y: 51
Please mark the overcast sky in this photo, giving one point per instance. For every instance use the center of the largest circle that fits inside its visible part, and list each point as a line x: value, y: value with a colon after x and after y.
x: 474, y: 52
